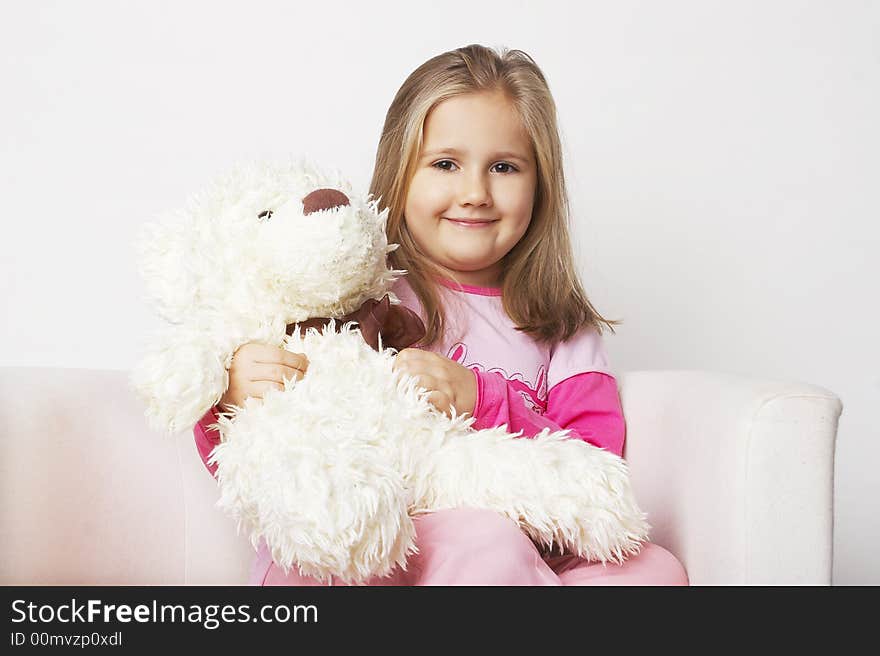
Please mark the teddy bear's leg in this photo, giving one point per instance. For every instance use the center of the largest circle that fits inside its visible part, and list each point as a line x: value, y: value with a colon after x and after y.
x: 470, y: 546
x: 560, y: 491
x: 321, y: 495
x: 338, y: 541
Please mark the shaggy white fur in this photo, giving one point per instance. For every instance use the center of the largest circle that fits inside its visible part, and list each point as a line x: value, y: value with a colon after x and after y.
x: 331, y: 470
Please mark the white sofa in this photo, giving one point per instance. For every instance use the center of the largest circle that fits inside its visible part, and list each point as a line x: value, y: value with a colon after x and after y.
x: 736, y: 475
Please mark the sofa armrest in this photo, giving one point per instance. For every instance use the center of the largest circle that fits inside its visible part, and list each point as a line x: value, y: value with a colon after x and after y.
x: 216, y: 552
x: 736, y: 474
x: 88, y: 495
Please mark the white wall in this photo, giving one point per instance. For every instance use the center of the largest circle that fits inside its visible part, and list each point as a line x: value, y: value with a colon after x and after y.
x: 723, y: 161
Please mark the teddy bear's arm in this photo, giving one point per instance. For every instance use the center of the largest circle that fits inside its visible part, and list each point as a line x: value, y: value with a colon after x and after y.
x: 183, y: 376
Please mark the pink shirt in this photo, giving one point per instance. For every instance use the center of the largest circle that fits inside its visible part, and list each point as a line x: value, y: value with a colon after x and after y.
x: 521, y: 383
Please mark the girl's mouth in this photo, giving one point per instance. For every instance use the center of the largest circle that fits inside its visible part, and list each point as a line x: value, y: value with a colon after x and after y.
x: 471, y: 223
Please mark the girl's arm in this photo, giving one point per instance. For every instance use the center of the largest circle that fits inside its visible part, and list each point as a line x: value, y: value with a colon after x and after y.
x: 587, y: 404
x: 207, y: 438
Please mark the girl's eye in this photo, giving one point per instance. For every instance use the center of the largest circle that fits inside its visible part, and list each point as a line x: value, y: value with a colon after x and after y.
x: 510, y: 167
x: 442, y: 162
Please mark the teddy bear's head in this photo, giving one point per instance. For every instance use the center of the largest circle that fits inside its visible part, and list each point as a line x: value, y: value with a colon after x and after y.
x: 264, y: 248
x: 269, y: 243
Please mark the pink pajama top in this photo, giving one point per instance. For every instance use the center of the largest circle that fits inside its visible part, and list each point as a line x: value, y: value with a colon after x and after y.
x: 524, y: 384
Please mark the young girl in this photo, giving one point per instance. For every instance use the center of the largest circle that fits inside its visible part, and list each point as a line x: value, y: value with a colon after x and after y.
x: 469, y: 165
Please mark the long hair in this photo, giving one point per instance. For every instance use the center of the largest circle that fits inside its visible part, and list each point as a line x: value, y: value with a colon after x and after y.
x: 541, y: 291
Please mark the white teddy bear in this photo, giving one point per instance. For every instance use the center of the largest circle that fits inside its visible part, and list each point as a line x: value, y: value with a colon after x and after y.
x: 331, y: 470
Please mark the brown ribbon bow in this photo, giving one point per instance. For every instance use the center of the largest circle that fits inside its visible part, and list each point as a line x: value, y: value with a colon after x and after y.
x: 399, y: 327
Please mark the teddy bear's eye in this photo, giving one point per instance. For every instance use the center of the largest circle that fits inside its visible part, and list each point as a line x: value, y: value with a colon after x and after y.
x: 265, y: 215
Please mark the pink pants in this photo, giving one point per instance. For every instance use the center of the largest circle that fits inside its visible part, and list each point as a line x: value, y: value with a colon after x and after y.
x: 465, y: 546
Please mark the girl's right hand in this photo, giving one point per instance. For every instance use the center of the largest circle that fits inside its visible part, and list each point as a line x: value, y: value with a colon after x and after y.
x: 257, y: 368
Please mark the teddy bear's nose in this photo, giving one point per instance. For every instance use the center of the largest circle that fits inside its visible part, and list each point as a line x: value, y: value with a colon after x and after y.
x: 323, y: 199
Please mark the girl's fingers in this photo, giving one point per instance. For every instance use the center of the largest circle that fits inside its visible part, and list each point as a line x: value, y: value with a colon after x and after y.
x: 416, y: 354
x: 439, y: 391
x: 259, y: 388
x: 423, y: 380
x: 257, y: 352
x: 416, y: 363
x: 439, y: 394
x: 409, y: 356
x: 262, y: 355
x: 439, y: 400
x: 295, y: 360
x: 265, y: 354
x: 274, y: 372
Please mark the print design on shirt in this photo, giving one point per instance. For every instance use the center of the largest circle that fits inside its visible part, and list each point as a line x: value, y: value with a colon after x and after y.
x: 534, y: 396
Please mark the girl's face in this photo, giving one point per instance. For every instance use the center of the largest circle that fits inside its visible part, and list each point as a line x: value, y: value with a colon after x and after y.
x: 470, y: 200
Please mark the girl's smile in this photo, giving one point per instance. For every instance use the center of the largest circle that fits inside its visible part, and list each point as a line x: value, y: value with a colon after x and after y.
x: 471, y: 223
x: 471, y: 197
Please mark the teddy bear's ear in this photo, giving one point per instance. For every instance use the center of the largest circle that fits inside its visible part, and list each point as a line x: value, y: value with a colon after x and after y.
x: 166, y: 265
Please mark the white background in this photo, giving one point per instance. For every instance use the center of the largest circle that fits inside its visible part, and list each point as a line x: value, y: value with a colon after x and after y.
x: 722, y: 159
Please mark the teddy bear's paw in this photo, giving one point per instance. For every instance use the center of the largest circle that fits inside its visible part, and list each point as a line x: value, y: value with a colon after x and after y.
x: 603, y: 534
x: 367, y: 552
x: 590, y: 510
x: 179, y: 379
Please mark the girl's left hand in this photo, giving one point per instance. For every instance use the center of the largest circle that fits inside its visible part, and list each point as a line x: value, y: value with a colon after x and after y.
x: 450, y: 384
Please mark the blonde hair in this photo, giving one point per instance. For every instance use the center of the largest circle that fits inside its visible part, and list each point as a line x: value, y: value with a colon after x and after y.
x: 541, y: 291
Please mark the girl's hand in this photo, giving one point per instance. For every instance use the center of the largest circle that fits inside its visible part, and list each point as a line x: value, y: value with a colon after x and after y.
x: 256, y: 368
x: 450, y: 384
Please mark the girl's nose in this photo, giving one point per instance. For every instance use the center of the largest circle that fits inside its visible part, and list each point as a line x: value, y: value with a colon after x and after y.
x: 474, y: 190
